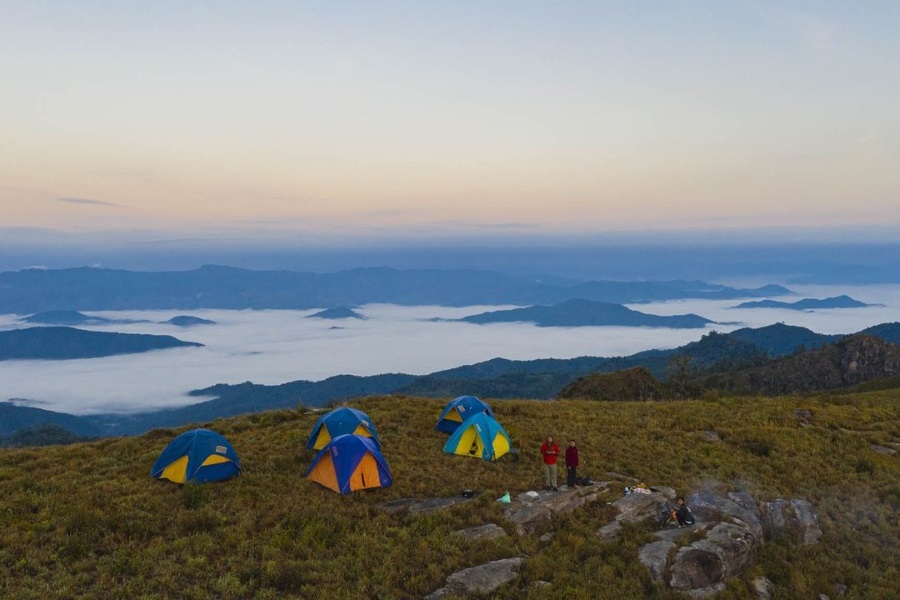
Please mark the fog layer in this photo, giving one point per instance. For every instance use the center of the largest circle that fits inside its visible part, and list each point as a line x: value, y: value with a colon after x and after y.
x: 271, y: 347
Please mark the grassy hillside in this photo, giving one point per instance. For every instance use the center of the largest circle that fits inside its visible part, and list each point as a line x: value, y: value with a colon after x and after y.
x: 87, y: 521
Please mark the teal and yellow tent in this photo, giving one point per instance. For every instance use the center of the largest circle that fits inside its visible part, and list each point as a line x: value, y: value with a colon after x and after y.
x: 479, y: 436
x: 350, y: 463
x: 341, y: 421
x: 458, y: 410
x: 198, y: 456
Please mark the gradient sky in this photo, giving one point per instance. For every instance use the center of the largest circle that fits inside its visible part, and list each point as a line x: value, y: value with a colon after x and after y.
x: 502, y: 117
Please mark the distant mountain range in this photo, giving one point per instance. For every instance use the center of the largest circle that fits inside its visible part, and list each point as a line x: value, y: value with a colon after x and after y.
x: 807, y: 303
x: 75, y: 318
x: 189, y: 321
x: 774, y: 359
x: 61, y: 343
x: 340, y: 312
x: 579, y: 313
x: 36, y: 290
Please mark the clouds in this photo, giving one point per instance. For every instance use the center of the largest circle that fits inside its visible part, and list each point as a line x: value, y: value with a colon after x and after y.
x: 273, y: 346
x: 89, y: 202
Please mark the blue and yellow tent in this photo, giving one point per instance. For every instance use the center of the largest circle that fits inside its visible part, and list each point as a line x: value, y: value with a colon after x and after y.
x: 341, y: 421
x: 350, y: 463
x: 479, y: 436
x: 199, y: 456
x: 458, y: 410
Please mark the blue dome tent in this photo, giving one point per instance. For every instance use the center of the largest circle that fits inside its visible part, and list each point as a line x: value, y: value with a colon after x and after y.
x: 199, y: 456
x: 341, y: 421
x: 479, y: 436
x: 458, y: 410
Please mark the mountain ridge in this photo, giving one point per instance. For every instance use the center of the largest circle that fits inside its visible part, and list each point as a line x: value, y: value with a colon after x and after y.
x: 211, y: 286
x: 495, y: 378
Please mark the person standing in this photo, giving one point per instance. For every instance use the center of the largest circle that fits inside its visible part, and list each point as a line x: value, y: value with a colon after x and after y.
x: 550, y: 452
x: 571, y: 463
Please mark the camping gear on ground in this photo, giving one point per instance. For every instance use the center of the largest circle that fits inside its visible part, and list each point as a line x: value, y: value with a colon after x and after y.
x: 458, y: 410
x: 479, y: 436
x: 341, y: 421
x: 198, y: 456
x: 468, y: 493
x: 504, y: 498
x: 350, y: 463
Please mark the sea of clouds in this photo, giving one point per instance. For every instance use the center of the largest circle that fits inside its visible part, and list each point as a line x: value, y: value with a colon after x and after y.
x: 277, y: 346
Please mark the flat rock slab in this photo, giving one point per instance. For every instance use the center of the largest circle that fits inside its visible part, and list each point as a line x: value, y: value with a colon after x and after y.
x: 793, y: 514
x: 530, y: 510
x: 673, y: 534
x: 482, y: 579
x: 655, y: 556
x: 636, y: 507
x: 763, y: 588
x: 489, y: 531
x: 735, y: 507
x: 883, y: 450
x: 422, y: 505
x: 610, y: 532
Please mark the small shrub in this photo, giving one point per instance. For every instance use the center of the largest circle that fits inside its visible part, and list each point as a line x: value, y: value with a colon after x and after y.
x: 194, y: 495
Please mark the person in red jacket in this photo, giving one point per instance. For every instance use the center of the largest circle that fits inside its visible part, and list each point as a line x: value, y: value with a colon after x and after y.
x: 550, y: 451
x: 571, y: 463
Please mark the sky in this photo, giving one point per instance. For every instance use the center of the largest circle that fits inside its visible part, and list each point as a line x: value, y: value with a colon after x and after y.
x: 277, y: 346
x: 366, y: 120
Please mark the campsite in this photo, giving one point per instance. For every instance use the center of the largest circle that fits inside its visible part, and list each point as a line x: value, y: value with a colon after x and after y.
x: 86, y: 519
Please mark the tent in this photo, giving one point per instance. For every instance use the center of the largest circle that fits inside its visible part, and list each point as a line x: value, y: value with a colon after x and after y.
x: 479, y: 436
x: 198, y: 456
x: 350, y: 463
x: 339, y: 422
x: 458, y: 410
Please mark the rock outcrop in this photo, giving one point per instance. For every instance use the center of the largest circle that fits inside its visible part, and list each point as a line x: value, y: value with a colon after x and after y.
x: 530, y: 510
x: 797, y: 515
x: 722, y: 544
x: 482, y: 579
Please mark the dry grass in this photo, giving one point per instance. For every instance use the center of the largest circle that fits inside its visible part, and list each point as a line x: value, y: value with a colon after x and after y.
x: 86, y: 521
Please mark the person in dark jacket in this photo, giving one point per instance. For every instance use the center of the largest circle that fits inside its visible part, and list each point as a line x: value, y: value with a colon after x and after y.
x: 571, y: 463
x: 684, y: 514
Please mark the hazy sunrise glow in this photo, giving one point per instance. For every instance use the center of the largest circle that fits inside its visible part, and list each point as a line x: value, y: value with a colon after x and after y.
x: 383, y: 117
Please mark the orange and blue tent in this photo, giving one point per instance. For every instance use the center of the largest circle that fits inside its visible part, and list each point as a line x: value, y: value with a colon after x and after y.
x: 341, y: 421
x: 350, y: 463
x: 199, y: 456
x: 479, y: 436
x: 458, y: 410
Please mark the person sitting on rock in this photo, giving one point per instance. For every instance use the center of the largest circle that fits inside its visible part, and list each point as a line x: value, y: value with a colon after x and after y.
x: 683, y: 513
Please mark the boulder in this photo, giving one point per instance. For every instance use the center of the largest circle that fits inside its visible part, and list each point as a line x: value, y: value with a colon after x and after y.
x: 610, y: 532
x: 635, y: 508
x: 710, y: 436
x: 655, y: 556
x: 763, y: 588
x: 883, y: 450
x: 793, y: 514
x: 483, y: 579
x: 735, y: 507
x: 668, y: 492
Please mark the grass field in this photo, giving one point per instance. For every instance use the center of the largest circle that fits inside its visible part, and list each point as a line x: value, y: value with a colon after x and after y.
x: 87, y: 521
